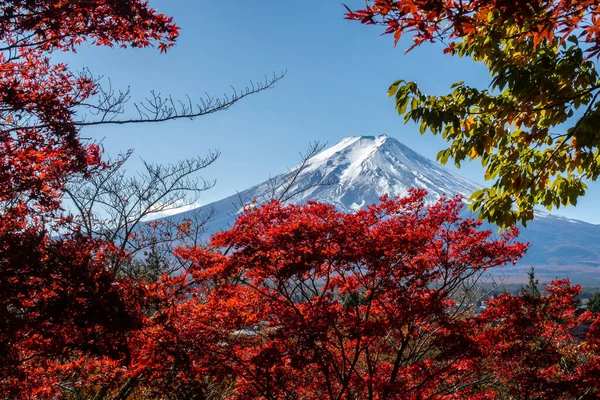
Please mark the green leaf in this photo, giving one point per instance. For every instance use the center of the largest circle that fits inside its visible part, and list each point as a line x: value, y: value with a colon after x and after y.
x: 443, y: 156
x: 394, y: 88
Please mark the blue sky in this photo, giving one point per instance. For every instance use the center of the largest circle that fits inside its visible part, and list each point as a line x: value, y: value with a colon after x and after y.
x: 338, y: 72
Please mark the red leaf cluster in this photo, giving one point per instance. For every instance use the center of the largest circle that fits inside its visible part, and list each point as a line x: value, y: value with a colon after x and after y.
x: 39, y: 141
x: 308, y: 301
x: 451, y: 20
x: 58, y: 301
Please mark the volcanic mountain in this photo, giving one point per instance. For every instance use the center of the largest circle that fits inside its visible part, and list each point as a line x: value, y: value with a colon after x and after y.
x: 357, y: 171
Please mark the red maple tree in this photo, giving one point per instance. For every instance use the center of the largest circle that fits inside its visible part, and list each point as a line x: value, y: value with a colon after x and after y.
x: 56, y: 296
x: 39, y: 137
x: 66, y: 316
x: 303, y: 301
x: 540, y: 346
x: 308, y: 302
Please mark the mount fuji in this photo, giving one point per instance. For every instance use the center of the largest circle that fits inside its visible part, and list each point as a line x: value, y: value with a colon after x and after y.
x: 357, y: 171
x: 362, y: 169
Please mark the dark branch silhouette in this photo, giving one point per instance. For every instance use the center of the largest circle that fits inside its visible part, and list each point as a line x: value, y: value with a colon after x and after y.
x: 114, y: 205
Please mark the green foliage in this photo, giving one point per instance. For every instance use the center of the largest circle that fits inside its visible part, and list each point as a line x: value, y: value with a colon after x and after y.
x: 511, y: 127
x: 594, y: 303
x: 531, y: 289
x: 151, y: 267
x: 536, y: 126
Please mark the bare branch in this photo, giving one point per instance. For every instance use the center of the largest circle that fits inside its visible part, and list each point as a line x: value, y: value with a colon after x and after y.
x: 159, y: 108
x: 114, y: 205
x: 291, y: 184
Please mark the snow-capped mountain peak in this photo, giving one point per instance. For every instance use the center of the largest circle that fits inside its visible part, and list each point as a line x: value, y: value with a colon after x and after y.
x: 351, y: 174
x: 358, y: 170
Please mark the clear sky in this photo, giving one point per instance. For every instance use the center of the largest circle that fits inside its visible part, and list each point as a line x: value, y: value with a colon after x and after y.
x: 338, y: 72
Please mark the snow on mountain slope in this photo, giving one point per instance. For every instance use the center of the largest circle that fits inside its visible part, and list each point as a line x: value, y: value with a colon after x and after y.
x: 357, y: 171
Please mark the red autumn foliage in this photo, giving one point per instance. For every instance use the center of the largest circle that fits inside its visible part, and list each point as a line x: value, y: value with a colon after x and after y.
x: 311, y: 302
x: 292, y: 302
x: 39, y: 136
x: 308, y: 302
x: 57, y: 298
x: 538, y: 347
x: 450, y: 20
